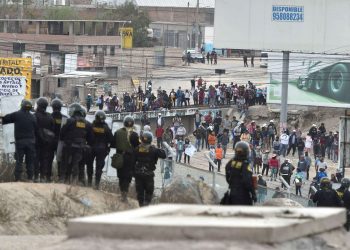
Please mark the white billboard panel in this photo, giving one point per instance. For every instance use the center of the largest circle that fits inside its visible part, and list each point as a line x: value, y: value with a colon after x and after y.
x: 283, y: 25
x: 314, y: 79
x: 70, y: 63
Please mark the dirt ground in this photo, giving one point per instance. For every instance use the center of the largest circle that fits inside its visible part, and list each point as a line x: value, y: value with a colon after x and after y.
x: 42, y: 209
x: 333, y: 240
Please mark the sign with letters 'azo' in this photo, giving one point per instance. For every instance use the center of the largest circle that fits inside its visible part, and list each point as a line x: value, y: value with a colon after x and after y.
x: 126, y: 35
x: 15, y: 77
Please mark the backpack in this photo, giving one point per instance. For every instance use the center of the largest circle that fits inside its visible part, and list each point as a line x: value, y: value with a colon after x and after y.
x: 298, y: 181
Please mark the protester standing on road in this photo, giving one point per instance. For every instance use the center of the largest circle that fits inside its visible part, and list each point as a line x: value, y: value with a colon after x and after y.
x: 284, y: 139
x: 219, y: 153
x: 298, y: 180
x: 286, y: 171
x: 100, y: 102
x: 273, y: 165
x: 245, y: 61
x: 89, y: 102
x: 180, y: 148
x: 292, y: 142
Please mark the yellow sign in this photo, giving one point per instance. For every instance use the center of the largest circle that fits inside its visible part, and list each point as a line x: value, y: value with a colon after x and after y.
x: 126, y: 35
x: 18, y: 67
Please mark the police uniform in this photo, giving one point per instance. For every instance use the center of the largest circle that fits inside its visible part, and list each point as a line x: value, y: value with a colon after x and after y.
x: 239, y: 177
x: 99, y: 149
x: 125, y: 141
x: 326, y: 196
x: 25, y: 131
x: 58, y: 118
x: 75, y: 134
x: 146, y: 157
x: 344, y: 195
x: 44, y: 143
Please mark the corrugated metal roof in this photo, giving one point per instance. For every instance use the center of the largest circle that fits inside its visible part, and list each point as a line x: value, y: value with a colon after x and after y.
x: 175, y: 3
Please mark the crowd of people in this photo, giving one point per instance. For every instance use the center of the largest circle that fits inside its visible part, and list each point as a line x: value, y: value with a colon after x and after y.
x: 260, y: 150
x: 201, y: 94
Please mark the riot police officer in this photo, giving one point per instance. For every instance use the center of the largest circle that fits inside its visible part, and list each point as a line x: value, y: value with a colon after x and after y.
x: 344, y: 195
x: 25, y: 135
x: 239, y: 177
x: 326, y: 196
x: 86, y: 153
x: 125, y: 141
x: 103, y: 137
x: 146, y: 157
x: 75, y: 134
x: 58, y: 118
x: 44, y: 143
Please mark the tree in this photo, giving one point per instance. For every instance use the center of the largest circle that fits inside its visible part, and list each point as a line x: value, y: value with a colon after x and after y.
x: 139, y: 21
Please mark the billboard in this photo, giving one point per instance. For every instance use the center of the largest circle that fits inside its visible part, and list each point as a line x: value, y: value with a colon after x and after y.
x: 36, y: 60
x: 320, y: 26
x: 70, y: 63
x: 314, y: 79
x: 126, y: 37
x: 14, y: 72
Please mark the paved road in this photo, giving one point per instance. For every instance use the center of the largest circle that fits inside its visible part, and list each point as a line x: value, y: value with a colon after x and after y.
x: 173, y: 77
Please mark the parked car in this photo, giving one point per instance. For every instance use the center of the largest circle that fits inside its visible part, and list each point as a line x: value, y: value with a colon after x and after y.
x: 195, y: 56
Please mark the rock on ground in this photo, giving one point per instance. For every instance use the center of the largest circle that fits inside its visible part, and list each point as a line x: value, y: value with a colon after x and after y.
x: 281, y: 202
x: 187, y: 190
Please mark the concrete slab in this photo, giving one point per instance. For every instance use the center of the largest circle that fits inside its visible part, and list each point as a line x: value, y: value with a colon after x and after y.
x: 175, y: 222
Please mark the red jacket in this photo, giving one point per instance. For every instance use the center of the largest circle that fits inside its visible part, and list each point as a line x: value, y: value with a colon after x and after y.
x: 159, y: 132
x: 273, y: 163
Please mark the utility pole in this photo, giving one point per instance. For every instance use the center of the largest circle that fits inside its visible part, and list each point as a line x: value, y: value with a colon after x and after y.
x: 146, y: 74
x: 187, y: 36
x: 197, y: 26
x: 284, y: 98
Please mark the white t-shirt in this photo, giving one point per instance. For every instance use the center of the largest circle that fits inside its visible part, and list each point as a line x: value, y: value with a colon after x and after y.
x: 322, y: 165
x: 285, y: 139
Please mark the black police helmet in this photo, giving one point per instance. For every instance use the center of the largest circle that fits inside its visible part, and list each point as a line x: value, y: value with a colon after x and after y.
x: 42, y: 102
x: 83, y: 111
x: 242, y: 150
x: 325, y: 183
x: 128, y: 121
x: 75, y: 109
x: 147, y: 137
x: 100, y: 116
x: 26, y: 105
x: 345, y: 182
x: 56, y: 104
